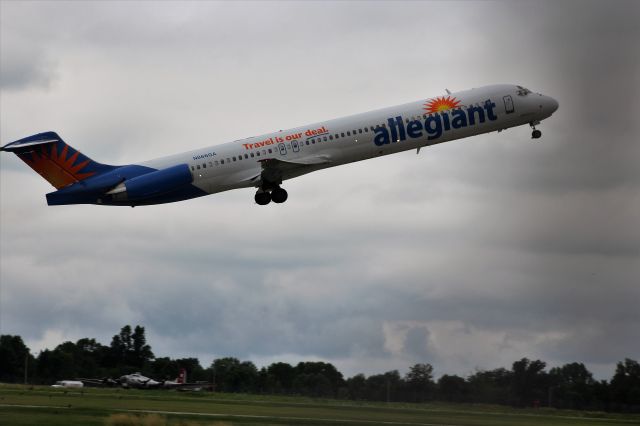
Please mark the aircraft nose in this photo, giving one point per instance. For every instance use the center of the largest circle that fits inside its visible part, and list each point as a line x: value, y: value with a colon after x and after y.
x: 552, y: 104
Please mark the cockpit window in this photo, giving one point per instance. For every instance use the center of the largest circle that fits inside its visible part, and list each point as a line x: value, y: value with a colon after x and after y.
x: 523, y: 91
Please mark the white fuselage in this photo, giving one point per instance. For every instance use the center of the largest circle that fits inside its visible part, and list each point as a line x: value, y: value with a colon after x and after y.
x: 237, y: 164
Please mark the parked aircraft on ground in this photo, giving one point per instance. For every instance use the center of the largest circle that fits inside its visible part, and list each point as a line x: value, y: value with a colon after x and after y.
x: 68, y: 384
x: 138, y: 381
x: 265, y: 161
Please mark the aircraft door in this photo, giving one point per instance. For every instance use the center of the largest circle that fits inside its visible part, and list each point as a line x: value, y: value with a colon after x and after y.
x: 283, y: 149
x: 508, y: 104
x: 295, y: 146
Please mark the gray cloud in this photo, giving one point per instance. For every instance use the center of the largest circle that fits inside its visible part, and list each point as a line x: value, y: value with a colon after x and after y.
x: 472, y: 254
x: 24, y: 63
x: 21, y: 69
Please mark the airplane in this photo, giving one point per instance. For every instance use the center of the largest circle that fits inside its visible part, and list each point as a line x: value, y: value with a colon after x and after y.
x: 265, y: 161
x: 138, y: 381
x: 68, y: 384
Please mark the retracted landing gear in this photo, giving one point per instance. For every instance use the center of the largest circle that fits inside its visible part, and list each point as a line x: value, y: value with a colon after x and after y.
x: 535, y: 134
x: 277, y: 195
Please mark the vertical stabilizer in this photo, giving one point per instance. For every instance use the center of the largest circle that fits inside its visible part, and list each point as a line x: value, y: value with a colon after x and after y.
x: 182, y: 376
x: 60, y: 164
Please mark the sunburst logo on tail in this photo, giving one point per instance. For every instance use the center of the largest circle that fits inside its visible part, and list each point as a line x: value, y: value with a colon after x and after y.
x: 441, y: 104
x: 60, y: 169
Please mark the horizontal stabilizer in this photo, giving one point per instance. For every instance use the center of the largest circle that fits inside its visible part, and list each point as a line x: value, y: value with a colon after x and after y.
x: 39, y: 139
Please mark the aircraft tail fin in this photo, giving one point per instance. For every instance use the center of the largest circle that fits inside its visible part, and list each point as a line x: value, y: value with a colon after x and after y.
x: 182, y: 376
x: 54, y: 160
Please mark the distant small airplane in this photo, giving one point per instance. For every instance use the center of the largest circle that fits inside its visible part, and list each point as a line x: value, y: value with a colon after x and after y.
x: 68, y: 384
x: 138, y: 381
x: 265, y: 161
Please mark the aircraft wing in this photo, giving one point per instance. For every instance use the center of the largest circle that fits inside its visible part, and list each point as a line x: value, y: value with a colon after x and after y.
x: 99, y: 382
x: 275, y: 170
x: 298, y: 163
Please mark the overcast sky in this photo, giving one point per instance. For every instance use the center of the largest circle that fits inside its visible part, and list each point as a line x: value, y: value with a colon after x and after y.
x: 472, y: 254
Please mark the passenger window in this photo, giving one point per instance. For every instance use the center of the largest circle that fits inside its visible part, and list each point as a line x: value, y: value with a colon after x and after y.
x: 324, y: 138
x: 257, y: 153
x: 252, y: 155
x: 234, y: 158
x: 216, y: 162
x: 192, y: 168
x: 264, y: 152
x: 204, y: 166
x: 246, y: 156
x: 349, y: 133
x: 313, y: 141
x: 210, y: 164
x: 198, y: 166
x: 330, y: 137
x: 228, y: 160
x: 221, y: 161
x: 307, y: 142
x: 341, y: 134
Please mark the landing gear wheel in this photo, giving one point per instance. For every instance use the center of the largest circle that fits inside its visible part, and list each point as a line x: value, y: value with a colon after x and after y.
x: 263, y: 198
x: 536, y: 133
x: 279, y: 195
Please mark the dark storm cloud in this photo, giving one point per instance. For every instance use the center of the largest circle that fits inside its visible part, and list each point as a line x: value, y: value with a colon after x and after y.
x: 599, y: 76
x: 417, y: 343
x: 472, y: 254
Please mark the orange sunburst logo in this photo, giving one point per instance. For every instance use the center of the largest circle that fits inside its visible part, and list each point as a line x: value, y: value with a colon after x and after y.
x: 58, y: 169
x: 441, y: 104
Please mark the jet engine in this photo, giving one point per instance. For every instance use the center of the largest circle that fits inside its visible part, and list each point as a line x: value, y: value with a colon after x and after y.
x: 123, y: 185
x: 152, y: 184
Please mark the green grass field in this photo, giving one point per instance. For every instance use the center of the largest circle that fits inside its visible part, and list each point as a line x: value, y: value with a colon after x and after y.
x: 39, y: 405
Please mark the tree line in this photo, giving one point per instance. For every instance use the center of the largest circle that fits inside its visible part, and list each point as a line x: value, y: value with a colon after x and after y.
x: 527, y: 383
